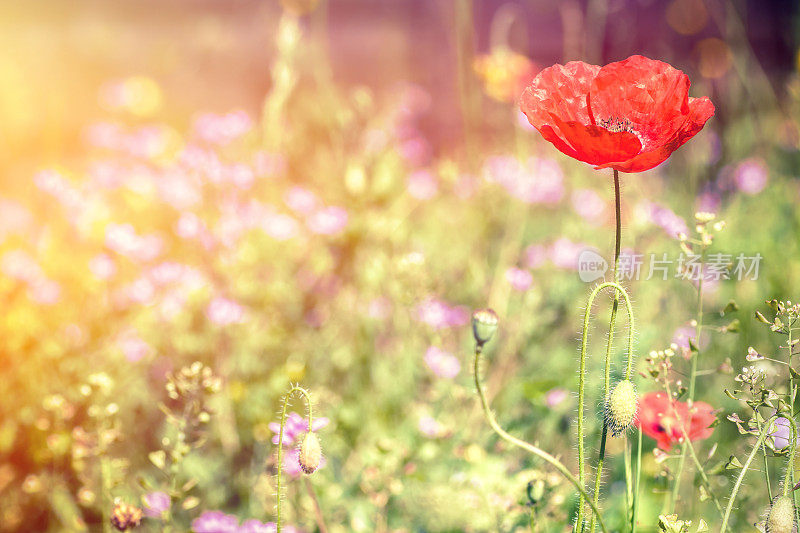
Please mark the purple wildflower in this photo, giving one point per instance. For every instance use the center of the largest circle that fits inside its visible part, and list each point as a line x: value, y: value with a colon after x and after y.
x: 442, y: 363
x: 156, y: 504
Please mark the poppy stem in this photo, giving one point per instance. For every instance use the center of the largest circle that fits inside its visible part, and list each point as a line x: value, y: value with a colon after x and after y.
x: 527, y: 446
x: 609, y: 342
x: 618, y: 236
x: 582, y: 383
x: 637, y: 482
x: 303, y: 392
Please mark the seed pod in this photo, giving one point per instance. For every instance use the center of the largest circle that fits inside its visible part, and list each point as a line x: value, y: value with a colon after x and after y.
x: 125, y: 516
x: 310, y: 454
x: 484, y: 324
x: 620, y: 408
x: 781, y: 516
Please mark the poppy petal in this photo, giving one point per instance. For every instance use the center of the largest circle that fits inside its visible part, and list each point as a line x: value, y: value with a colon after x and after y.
x: 596, y: 145
x: 648, y: 96
x: 558, y: 90
x: 700, y: 110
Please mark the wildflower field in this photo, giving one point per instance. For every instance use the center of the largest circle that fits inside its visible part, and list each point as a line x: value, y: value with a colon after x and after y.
x: 400, y: 266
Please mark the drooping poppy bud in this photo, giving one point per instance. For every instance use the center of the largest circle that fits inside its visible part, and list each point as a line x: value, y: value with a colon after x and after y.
x: 310, y: 454
x: 621, y: 406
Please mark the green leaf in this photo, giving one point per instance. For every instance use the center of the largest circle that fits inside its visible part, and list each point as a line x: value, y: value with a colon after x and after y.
x: 761, y: 318
x: 732, y: 306
x: 733, y: 327
x: 144, y: 483
x: 189, y: 485
x: 733, y: 464
x: 692, y: 346
x: 158, y: 458
x: 190, y: 503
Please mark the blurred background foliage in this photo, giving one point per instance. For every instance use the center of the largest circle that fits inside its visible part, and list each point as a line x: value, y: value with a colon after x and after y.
x: 319, y: 192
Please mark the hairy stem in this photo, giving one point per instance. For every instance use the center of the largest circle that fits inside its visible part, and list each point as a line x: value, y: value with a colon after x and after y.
x: 609, y: 344
x: 582, y: 374
x: 303, y: 392
x: 787, y: 484
x: 638, y: 480
x: 558, y: 465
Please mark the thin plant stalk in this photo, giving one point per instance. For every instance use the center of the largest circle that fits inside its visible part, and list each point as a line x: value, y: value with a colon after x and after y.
x: 787, y: 482
x: 609, y: 342
x: 766, y: 459
x: 582, y: 373
x: 303, y: 392
x: 628, y: 480
x: 793, y: 389
x: 558, y: 465
x: 318, y: 516
x: 635, y: 506
x: 105, y: 482
x: 692, y: 380
x: 697, y: 464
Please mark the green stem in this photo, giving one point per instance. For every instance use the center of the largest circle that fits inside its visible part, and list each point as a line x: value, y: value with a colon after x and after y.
x: 609, y: 344
x: 787, y: 484
x: 582, y: 373
x: 701, y: 470
x: 793, y: 389
x: 628, y: 482
x: 638, y: 481
x: 318, y: 516
x: 692, y: 380
x: 558, y: 465
x: 688, y: 445
x: 288, y: 395
x: 766, y: 461
x: 105, y: 482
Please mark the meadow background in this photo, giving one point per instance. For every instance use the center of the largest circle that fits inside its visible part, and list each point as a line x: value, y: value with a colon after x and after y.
x: 321, y: 193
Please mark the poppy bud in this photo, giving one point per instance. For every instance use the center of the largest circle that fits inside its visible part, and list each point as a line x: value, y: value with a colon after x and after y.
x: 124, y: 516
x: 484, y: 324
x: 781, y: 516
x: 621, y: 407
x: 310, y: 453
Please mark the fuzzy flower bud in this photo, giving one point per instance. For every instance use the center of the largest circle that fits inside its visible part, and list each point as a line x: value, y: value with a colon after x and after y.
x: 781, y: 516
x: 621, y: 406
x: 310, y: 453
x: 484, y: 324
x: 125, y: 516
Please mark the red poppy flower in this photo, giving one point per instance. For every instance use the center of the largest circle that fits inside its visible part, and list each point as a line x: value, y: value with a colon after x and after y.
x: 661, y: 418
x: 629, y: 115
